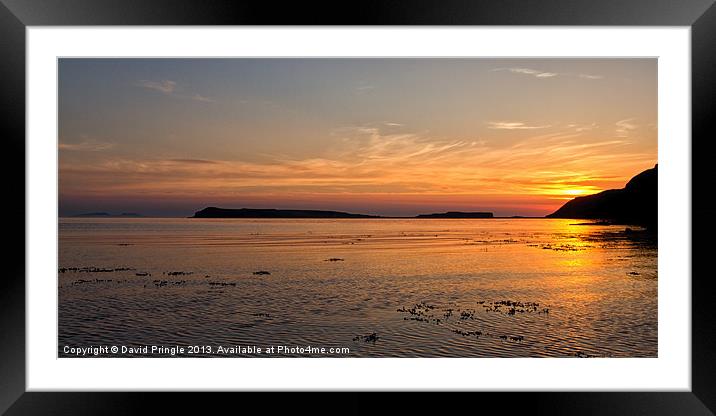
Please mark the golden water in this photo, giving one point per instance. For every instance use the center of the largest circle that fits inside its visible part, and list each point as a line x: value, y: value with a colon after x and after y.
x: 581, y: 290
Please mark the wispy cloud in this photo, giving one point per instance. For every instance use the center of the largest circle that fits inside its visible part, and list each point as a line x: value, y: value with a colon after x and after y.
x: 86, y: 146
x: 624, y: 127
x: 364, y: 89
x: 590, y: 76
x: 582, y: 127
x: 165, y: 86
x: 529, y: 71
x: 545, y: 74
x: 504, y: 125
x: 173, y: 89
x: 194, y: 161
x: 378, y: 163
x: 390, y: 124
x: 199, y: 97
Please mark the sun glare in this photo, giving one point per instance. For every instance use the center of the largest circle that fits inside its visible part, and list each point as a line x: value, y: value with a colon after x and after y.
x: 576, y: 192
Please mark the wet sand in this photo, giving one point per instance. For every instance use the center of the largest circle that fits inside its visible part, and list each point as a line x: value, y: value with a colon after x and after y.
x: 382, y: 288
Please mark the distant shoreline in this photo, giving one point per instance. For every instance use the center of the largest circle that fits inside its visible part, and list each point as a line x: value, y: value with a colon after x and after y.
x: 150, y: 217
x: 635, y: 204
x: 264, y: 213
x: 577, y: 221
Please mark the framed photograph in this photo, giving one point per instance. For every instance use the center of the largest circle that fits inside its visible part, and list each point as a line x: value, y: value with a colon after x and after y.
x: 477, y: 196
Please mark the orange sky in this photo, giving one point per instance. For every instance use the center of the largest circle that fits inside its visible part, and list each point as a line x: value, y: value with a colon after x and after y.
x: 390, y: 137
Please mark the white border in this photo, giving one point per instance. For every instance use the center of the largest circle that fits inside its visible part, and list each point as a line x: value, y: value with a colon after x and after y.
x: 671, y: 371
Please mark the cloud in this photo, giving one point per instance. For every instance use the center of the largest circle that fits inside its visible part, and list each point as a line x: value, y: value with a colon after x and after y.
x: 544, y: 74
x: 529, y: 71
x: 194, y: 161
x: 377, y: 164
x: 582, y: 127
x: 389, y: 124
x: 364, y: 89
x: 165, y: 86
x: 624, y: 127
x: 590, y: 76
x: 503, y: 125
x: 86, y: 146
x: 172, y: 88
x: 198, y: 97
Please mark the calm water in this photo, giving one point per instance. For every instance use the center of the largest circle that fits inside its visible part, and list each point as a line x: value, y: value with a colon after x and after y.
x: 423, y: 288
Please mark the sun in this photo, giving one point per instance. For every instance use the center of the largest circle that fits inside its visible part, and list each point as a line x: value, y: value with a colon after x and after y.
x: 567, y: 192
x: 575, y: 192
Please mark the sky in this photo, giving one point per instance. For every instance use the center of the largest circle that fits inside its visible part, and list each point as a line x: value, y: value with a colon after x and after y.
x: 395, y: 137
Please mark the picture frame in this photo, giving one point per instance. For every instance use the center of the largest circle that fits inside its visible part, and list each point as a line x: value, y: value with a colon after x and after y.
x: 16, y: 15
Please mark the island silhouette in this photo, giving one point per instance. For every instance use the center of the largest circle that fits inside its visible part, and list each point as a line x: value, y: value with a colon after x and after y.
x: 108, y: 215
x: 214, y: 212
x: 457, y: 214
x: 635, y: 204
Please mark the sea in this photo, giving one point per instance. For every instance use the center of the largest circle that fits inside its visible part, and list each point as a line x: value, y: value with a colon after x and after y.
x: 523, y: 287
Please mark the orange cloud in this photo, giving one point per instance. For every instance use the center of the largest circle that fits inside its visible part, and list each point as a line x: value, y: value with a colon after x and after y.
x: 537, y: 171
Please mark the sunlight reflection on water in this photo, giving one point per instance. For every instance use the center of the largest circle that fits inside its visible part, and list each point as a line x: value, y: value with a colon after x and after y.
x: 417, y: 284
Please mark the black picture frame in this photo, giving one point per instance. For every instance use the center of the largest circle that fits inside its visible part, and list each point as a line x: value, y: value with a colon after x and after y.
x: 16, y: 15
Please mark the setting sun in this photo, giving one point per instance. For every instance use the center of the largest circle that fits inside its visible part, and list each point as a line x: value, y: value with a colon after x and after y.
x: 577, y: 192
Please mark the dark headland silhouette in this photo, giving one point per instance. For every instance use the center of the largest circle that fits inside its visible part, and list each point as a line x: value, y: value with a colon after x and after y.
x: 636, y: 203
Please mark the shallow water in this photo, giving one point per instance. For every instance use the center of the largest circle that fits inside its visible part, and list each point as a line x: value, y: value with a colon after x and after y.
x: 424, y: 288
